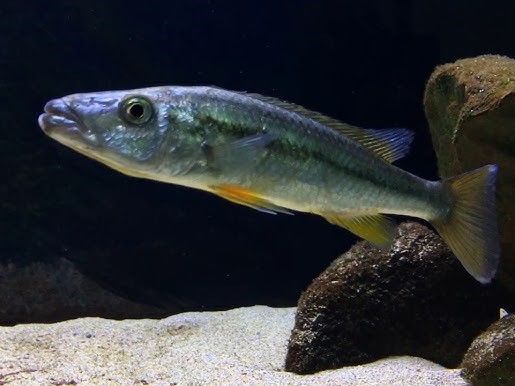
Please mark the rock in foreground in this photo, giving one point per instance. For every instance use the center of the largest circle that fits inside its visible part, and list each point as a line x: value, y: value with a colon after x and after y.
x: 415, y: 299
x: 490, y: 360
x: 244, y: 346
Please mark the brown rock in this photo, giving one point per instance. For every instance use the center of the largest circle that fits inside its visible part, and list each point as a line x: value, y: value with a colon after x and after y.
x: 490, y: 360
x: 470, y: 107
x: 415, y: 299
x: 48, y: 292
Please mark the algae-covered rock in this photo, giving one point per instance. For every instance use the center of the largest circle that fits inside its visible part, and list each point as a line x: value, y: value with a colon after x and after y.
x: 415, y: 299
x: 470, y: 107
x: 490, y: 360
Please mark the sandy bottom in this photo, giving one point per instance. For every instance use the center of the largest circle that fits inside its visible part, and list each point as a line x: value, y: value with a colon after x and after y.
x: 244, y: 346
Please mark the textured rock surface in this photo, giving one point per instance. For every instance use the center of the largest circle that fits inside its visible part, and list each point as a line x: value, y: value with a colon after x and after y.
x: 490, y: 360
x: 470, y: 107
x: 415, y: 299
x: 45, y: 292
x: 239, y: 347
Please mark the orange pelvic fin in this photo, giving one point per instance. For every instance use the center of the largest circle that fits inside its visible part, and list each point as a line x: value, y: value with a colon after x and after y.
x: 247, y: 197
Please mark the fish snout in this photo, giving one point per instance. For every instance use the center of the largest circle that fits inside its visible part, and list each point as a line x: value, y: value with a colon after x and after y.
x: 57, y: 114
x: 60, y: 120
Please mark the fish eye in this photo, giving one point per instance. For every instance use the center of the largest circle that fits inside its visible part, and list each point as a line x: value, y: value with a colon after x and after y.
x: 136, y: 110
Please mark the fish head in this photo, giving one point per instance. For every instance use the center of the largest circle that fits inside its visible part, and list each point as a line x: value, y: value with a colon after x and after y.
x: 122, y: 129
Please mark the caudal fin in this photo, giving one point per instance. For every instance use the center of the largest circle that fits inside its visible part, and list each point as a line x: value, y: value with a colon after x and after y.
x: 470, y: 230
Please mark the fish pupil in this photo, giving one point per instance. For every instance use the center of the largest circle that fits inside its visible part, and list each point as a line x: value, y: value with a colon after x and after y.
x: 136, y: 110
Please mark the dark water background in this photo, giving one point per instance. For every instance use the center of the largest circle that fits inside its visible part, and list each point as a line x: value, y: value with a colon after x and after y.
x: 364, y: 62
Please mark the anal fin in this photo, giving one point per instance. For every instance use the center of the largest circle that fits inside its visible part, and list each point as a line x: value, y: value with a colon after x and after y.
x: 247, y: 197
x: 375, y: 228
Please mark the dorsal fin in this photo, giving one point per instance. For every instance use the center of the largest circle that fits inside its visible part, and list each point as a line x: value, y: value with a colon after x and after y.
x: 389, y: 144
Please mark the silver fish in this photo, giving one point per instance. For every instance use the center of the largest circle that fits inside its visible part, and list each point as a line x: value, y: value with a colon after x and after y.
x: 279, y: 157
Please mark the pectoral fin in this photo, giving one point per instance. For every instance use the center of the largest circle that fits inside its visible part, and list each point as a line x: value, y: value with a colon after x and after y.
x: 375, y: 228
x: 247, y: 197
x: 242, y: 153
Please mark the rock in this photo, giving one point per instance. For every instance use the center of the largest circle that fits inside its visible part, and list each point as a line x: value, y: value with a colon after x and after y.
x: 490, y: 360
x: 243, y: 346
x: 470, y: 107
x: 415, y: 299
x: 45, y: 292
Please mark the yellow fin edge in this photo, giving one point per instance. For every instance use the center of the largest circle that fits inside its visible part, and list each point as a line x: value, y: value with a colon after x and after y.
x: 375, y: 228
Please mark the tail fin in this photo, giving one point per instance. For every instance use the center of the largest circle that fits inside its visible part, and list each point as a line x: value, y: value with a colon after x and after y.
x: 470, y: 230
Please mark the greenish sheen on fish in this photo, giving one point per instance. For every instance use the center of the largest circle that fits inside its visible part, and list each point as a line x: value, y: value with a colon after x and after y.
x: 275, y: 156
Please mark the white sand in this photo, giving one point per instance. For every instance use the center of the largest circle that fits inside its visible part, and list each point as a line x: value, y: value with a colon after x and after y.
x: 245, y: 346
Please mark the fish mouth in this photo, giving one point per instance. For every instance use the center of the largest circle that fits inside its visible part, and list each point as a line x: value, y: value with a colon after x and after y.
x: 61, y: 123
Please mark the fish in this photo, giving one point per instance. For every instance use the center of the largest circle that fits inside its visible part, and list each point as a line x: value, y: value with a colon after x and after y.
x: 279, y: 157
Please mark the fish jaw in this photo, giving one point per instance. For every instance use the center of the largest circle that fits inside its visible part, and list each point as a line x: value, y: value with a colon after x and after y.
x: 61, y: 123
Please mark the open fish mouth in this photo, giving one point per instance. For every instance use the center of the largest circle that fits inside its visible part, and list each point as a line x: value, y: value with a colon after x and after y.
x: 62, y: 124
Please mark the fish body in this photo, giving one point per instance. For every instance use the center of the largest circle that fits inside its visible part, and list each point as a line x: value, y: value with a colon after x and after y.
x: 278, y: 157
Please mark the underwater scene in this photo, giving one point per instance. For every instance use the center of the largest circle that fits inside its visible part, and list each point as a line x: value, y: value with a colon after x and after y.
x: 213, y: 192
